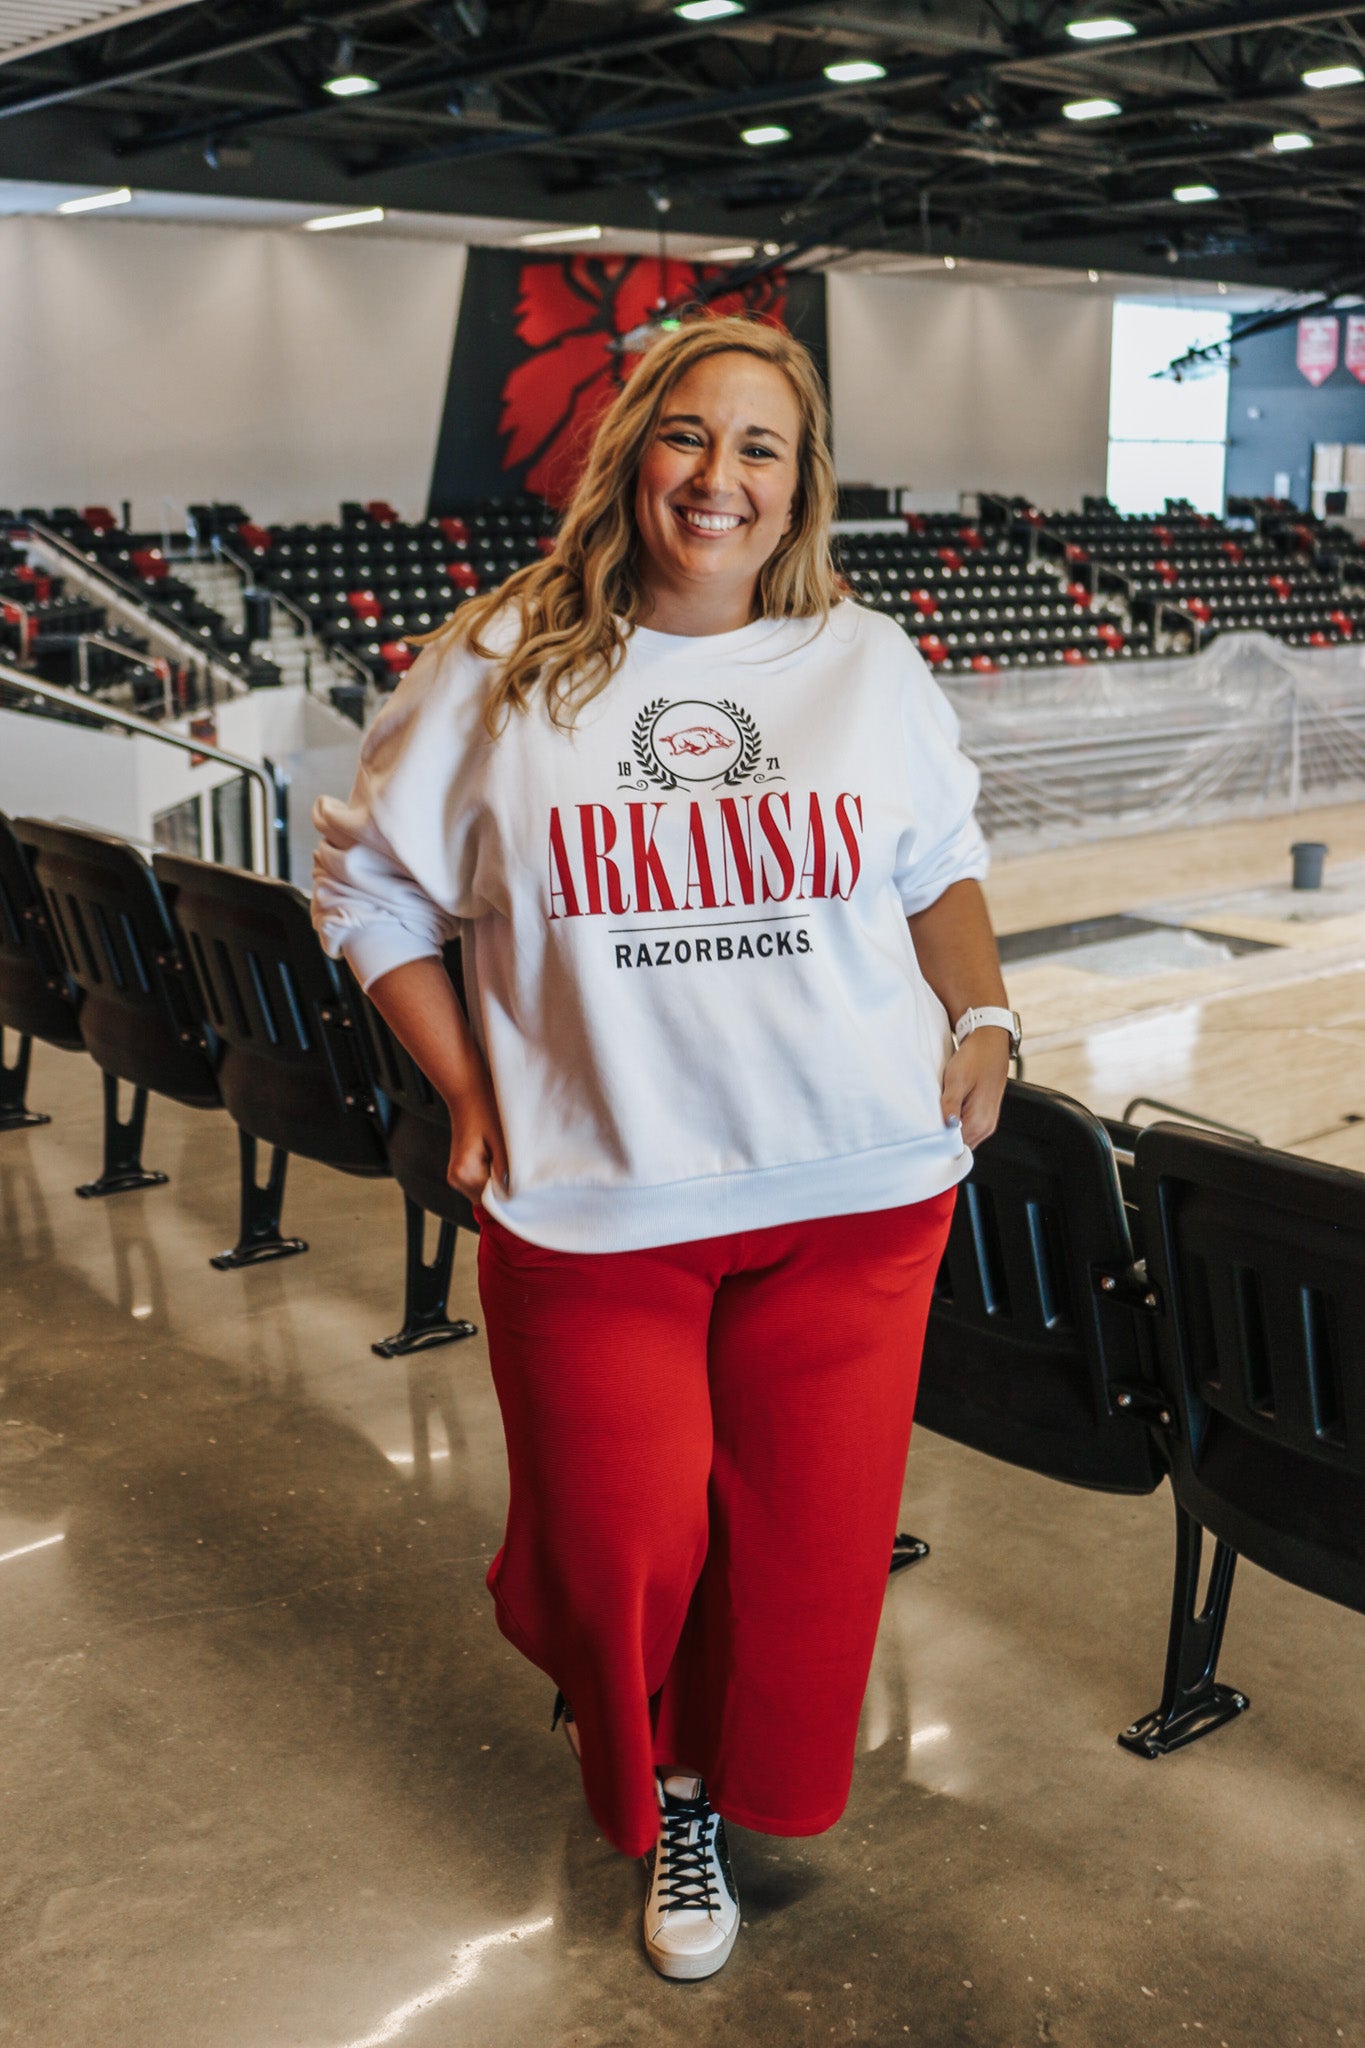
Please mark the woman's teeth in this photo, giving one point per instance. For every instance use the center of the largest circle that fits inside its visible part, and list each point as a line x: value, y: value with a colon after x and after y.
x: 712, y: 522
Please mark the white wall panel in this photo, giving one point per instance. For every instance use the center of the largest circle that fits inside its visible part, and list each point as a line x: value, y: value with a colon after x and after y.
x: 943, y: 387
x: 284, y: 370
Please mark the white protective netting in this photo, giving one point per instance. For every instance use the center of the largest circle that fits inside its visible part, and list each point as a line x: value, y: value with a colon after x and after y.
x: 1248, y: 726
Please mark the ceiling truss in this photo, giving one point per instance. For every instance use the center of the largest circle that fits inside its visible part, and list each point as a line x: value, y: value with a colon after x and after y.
x: 583, y: 108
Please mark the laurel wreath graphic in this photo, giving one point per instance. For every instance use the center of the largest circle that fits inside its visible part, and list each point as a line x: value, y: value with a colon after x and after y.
x: 644, y: 753
x: 751, y: 746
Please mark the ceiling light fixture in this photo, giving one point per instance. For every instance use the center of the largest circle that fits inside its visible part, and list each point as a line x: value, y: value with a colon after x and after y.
x: 345, y: 81
x: 1192, y: 195
x: 1101, y: 30
x: 771, y: 131
x: 1328, y: 75
x: 950, y: 263
x: 740, y: 254
x: 544, y: 238
x: 708, y: 10
x: 1222, y: 291
x: 96, y: 200
x: 1291, y: 140
x: 1094, y: 276
x: 324, y: 222
x: 1091, y: 110
x: 772, y: 248
x: 854, y: 71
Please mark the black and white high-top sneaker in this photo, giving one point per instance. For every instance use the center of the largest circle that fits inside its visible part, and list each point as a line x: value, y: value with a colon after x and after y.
x: 692, y: 1912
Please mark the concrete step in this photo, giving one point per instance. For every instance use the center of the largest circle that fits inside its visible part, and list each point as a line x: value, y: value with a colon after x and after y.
x: 299, y: 657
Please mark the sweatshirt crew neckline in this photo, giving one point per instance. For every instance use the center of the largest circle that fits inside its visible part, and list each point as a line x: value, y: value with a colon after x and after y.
x: 649, y: 638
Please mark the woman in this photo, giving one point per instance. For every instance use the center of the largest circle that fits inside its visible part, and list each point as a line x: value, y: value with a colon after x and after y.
x: 704, y: 830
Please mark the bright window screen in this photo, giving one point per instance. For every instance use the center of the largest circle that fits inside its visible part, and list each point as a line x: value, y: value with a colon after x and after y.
x: 1166, y: 440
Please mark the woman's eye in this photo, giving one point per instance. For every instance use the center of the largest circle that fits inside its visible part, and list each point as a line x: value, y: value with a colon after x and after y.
x: 759, y: 448
x: 680, y: 438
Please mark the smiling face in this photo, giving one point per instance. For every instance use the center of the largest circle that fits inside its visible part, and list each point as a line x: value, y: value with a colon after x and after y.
x: 715, y: 492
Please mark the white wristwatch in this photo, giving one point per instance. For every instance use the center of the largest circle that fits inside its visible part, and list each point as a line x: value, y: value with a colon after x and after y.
x: 1008, y: 1020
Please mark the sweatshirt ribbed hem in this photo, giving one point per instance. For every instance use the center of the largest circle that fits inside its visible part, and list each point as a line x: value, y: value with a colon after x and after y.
x: 629, y: 1219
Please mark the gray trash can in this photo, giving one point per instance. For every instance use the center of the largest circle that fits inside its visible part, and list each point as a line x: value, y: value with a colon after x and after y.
x: 1308, y: 856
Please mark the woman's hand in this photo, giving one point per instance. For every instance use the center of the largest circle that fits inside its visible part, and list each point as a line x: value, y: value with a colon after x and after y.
x: 419, y: 1004
x: 477, y: 1147
x: 974, y: 1082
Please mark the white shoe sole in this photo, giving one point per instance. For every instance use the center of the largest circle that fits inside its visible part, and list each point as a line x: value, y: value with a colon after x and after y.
x: 690, y: 1968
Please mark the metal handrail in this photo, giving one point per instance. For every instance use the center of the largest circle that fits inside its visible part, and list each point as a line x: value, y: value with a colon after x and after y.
x: 267, y: 779
x: 111, y: 593
x: 85, y: 641
x: 303, y: 624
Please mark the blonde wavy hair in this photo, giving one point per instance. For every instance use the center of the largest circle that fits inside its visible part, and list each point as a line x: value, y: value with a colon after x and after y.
x: 575, y: 609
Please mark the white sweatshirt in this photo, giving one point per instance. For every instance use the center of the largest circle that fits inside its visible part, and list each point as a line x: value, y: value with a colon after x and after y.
x: 684, y: 929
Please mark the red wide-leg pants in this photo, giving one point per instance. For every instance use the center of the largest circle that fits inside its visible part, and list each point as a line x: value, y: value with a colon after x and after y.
x: 707, y: 1448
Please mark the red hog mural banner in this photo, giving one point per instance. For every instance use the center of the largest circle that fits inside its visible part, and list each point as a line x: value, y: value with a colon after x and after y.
x: 542, y: 346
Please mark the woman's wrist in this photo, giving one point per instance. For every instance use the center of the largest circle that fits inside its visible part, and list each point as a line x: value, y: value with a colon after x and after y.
x: 988, y: 1017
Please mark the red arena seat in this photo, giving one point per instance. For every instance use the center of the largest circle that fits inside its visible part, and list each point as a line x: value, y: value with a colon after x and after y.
x: 396, y: 656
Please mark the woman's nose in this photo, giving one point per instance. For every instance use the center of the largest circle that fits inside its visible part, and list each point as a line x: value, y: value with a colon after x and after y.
x: 714, y: 474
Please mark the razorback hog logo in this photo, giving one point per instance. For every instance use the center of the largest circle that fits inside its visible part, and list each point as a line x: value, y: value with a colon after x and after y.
x: 694, y: 739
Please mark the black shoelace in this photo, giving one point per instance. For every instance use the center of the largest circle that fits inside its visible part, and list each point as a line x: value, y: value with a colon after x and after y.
x: 689, y: 1879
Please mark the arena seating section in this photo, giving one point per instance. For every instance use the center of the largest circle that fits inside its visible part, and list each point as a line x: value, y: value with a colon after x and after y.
x: 372, y: 580
x: 1116, y: 1308
x: 1010, y: 588
x: 1016, y: 588
x: 138, y: 564
x: 42, y: 623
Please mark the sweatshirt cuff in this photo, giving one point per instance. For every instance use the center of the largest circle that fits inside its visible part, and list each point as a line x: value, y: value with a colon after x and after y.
x: 377, y: 949
x: 963, y: 857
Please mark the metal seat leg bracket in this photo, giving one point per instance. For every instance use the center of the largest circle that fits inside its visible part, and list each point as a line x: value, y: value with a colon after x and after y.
x: 15, y: 1114
x: 123, y: 1168
x: 426, y: 1286
x: 259, y: 1237
x: 1193, y: 1703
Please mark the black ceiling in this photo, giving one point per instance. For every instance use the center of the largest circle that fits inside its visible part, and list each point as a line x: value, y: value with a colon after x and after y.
x: 568, y: 110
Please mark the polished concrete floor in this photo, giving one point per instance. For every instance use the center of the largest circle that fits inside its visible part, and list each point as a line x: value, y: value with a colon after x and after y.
x: 269, y: 1774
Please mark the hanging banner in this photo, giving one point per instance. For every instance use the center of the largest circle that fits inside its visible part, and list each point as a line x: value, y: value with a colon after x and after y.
x: 1319, y: 340
x: 1355, y: 346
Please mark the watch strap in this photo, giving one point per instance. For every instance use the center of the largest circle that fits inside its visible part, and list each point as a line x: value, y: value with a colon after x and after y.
x: 1006, y: 1020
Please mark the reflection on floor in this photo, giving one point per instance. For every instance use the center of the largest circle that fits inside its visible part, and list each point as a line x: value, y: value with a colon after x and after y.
x: 269, y: 1775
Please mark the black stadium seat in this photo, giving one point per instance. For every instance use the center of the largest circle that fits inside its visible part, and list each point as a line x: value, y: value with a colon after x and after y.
x: 292, y: 1070
x: 138, y: 1020
x: 1258, y: 1258
x: 142, y: 1018
x: 38, y: 999
x: 295, y: 1069
x: 1025, y: 1347
x: 1040, y: 1351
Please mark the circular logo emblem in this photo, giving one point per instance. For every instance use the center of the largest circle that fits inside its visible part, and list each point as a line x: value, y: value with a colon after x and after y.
x: 694, y: 741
